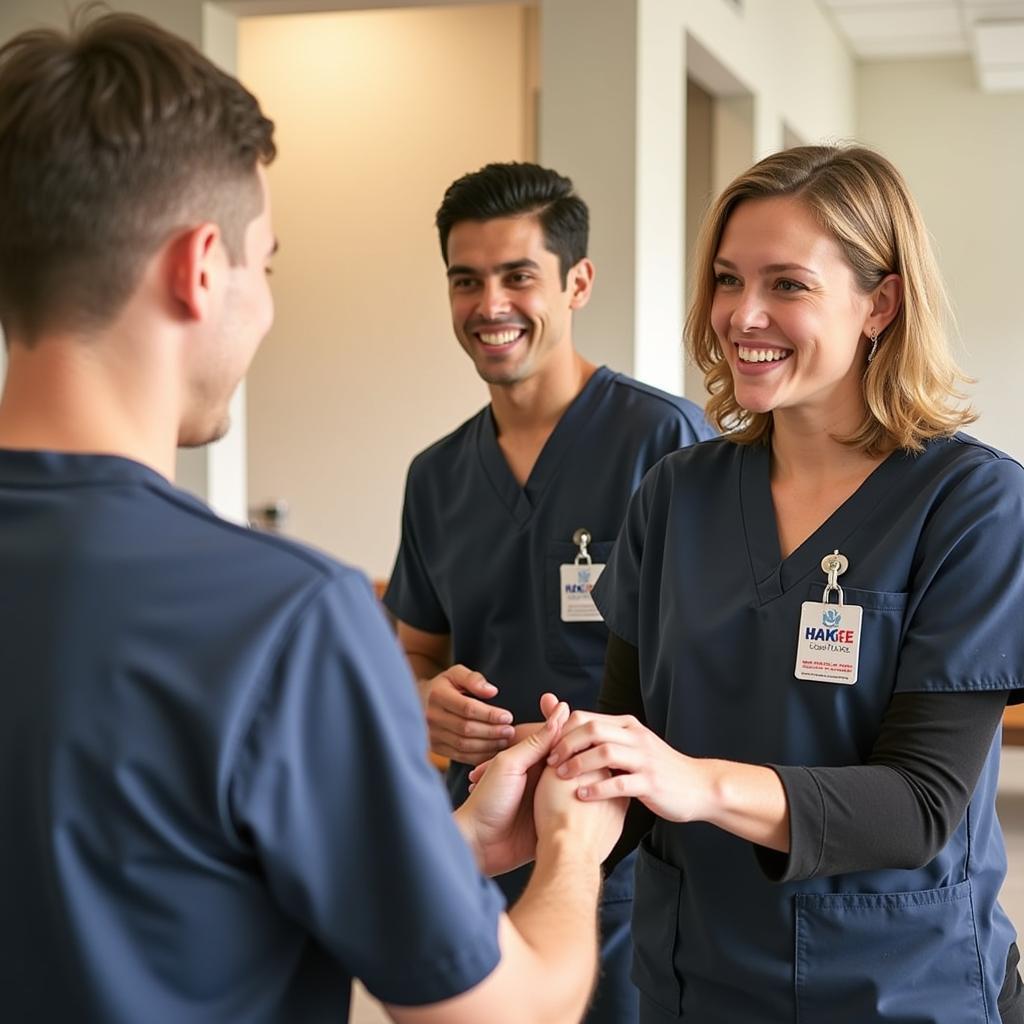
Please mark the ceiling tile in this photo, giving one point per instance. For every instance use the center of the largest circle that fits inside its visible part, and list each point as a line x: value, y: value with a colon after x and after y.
x: 931, y: 19
x: 887, y: 48
x: 881, y: 5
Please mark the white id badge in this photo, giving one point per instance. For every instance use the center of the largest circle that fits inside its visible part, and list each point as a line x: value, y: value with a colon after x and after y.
x: 576, y: 581
x: 828, y: 647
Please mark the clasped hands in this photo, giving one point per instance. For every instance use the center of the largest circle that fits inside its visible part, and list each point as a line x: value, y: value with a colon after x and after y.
x: 516, y: 798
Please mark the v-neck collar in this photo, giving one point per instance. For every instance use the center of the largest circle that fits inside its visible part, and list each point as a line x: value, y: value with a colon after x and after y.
x: 521, y: 501
x: 774, y: 575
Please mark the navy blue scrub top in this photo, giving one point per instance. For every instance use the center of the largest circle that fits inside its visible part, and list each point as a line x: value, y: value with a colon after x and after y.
x: 697, y: 583
x: 215, y: 799
x: 480, y: 554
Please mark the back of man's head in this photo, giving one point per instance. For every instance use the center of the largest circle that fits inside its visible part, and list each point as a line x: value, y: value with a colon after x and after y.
x: 515, y: 190
x: 113, y: 137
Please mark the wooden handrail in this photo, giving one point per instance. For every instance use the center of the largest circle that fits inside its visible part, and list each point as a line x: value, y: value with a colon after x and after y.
x: 1013, y: 726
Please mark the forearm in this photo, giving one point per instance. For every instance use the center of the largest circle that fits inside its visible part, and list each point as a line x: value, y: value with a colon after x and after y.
x: 835, y: 817
x: 557, y: 919
x: 899, y: 809
x: 428, y: 654
x: 423, y: 669
x: 747, y: 800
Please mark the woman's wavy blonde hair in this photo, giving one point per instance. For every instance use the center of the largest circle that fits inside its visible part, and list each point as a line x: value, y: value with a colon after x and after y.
x: 911, y: 386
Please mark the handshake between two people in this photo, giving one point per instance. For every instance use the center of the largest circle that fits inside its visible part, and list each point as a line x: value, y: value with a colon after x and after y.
x: 519, y: 802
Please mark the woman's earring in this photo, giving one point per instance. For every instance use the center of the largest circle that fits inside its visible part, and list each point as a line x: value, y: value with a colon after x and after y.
x: 873, y: 335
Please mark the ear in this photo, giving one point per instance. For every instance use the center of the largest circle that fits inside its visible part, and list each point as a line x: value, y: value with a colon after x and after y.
x: 886, y: 302
x: 580, y: 283
x: 196, y: 259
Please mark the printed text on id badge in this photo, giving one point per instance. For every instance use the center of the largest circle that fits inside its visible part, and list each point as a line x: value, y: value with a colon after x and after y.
x: 576, y: 581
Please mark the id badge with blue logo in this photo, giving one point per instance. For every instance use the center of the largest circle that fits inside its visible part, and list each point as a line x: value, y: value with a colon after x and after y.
x: 828, y: 645
x: 576, y: 581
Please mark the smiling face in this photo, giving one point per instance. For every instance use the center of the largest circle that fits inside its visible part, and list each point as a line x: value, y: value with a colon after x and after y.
x: 788, y: 314
x: 511, y: 310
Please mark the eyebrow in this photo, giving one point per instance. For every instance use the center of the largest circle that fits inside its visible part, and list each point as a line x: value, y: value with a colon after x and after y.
x: 771, y: 268
x: 502, y: 268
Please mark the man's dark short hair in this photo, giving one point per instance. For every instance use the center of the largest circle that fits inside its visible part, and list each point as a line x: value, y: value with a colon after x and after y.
x: 113, y: 136
x: 514, y: 190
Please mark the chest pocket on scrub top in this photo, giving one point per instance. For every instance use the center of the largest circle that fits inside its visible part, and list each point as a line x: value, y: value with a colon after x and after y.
x: 881, y: 629
x: 571, y: 644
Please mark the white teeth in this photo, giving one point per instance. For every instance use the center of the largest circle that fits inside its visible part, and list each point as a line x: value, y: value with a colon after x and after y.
x: 761, y: 355
x: 498, y: 337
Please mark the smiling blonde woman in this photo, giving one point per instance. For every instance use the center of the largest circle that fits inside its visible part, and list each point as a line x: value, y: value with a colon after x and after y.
x: 803, y: 695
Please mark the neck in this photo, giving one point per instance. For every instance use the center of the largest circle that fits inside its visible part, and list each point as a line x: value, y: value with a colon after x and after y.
x: 804, y: 447
x: 535, y: 405
x: 87, y: 395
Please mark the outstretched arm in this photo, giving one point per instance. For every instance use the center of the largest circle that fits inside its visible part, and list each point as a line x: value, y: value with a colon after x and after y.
x: 549, y: 938
x: 919, y: 777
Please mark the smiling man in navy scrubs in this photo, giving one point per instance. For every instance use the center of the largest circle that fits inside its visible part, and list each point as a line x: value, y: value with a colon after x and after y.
x: 215, y: 801
x: 508, y: 520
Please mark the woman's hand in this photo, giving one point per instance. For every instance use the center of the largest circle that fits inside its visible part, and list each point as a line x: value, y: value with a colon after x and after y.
x: 644, y: 766
x: 747, y: 800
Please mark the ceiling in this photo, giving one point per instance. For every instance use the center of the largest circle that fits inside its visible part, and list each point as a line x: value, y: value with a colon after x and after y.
x: 989, y: 31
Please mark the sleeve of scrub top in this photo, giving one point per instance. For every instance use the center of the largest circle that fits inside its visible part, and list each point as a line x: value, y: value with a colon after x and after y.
x: 410, y: 595
x: 333, y: 794
x: 900, y: 808
x: 695, y: 427
x: 966, y: 602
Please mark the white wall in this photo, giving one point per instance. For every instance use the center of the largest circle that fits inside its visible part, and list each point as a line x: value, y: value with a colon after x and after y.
x: 613, y: 111
x: 962, y: 152
x: 377, y: 112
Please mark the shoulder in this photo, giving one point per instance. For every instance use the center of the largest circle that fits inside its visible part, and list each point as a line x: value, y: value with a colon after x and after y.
x: 962, y: 462
x: 695, y: 477
x: 450, y: 450
x: 969, y: 451
x: 220, y: 553
x: 655, y: 404
x: 716, y: 458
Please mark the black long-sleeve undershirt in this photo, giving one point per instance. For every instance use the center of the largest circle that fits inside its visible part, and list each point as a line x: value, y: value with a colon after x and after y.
x: 917, y: 780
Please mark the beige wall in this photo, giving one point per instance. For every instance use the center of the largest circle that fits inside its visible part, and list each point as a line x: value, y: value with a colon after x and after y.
x: 185, y: 17
x: 962, y: 152
x: 377, y: 112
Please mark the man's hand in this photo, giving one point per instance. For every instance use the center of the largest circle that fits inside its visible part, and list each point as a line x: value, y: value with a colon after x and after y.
x: 461, y: 726
x: 497, y: 819
x: 558, y: 810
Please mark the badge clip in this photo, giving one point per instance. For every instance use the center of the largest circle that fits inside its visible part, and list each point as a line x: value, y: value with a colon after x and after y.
x: 828, y: 642
x: 576, y: 580
x: 581, y: 538
x: 834, y: 566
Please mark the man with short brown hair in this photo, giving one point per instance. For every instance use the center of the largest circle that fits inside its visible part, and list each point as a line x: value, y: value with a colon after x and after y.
x: 188, y: 709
